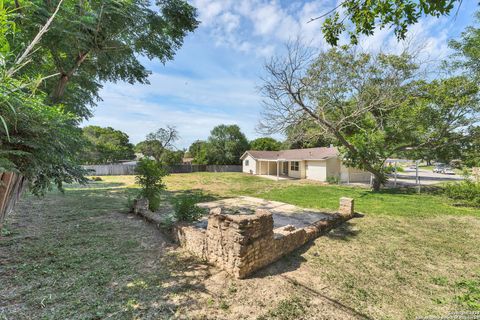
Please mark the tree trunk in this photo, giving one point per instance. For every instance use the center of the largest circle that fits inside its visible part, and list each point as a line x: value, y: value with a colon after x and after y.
x: 377, y: 183
x: 12, y: 186
x: 59, y: 89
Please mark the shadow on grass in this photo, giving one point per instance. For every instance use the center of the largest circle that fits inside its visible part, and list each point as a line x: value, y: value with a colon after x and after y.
x: 89, y: 261
x: 295, y: 259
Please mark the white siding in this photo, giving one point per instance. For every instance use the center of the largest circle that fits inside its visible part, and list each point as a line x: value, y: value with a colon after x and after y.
x: 316, y: 170
x: 333, y: 167
x: 348, y: 174
x: 300, y: 174
x: 252, y: 165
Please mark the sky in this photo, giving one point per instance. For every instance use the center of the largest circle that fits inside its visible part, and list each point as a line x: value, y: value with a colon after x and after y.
x: 215, y: 76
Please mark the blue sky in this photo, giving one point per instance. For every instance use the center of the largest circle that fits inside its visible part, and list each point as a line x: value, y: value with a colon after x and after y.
x: 214, y: 77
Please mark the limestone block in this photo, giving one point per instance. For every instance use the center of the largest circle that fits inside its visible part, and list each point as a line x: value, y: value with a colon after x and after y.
x: 346, y: 208
x: 140, y: 206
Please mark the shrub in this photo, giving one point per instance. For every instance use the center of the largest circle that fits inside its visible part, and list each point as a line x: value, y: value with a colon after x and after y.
x: 186, y: 208
x: 96, y: 179
x: 333, y: 180
x: 468, y: 192
x: 149, y: 176
x: 391, y: 169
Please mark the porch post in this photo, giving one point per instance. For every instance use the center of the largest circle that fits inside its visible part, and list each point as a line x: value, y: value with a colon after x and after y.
x: 278, y: 170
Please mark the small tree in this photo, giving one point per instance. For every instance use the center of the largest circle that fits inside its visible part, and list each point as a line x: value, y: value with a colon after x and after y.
x: 150, y: 175
x: 198, y: 151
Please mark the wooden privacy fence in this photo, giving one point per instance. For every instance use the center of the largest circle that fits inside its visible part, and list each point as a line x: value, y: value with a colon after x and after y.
x: 110, y: 169
x: 11, y: 187
x: 129, y: 169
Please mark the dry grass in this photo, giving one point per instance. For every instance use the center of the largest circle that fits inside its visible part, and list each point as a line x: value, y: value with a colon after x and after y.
x: 79, y: 256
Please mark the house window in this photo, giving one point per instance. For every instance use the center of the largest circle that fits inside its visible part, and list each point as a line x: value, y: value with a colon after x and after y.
x: 246, y: 162
x: 294, y: 166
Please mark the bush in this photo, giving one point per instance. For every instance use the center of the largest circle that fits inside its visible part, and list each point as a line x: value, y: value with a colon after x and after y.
x: 391, y: 169
x: 468, y: 192
x: 333, y: 180
x: 150, y: 175
x: 96, y: 179
x: 186, y: 208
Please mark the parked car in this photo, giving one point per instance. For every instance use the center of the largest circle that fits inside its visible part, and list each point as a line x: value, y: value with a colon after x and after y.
x: 448, y: 170
x: 443, y: 168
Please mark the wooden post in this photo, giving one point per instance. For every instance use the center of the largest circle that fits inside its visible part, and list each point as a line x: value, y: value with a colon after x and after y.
x: 395, y: 182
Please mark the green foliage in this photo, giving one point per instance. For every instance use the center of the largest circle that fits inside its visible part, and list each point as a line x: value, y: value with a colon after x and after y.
x: 391, y: 169
x: 106, y: 145
x: 375, y: 106
x: 362, y: 17
x: 159, y: 145
x: 150, y: 176
x: 306, y: 134
x: 471, y: 151
x: 36, y: 140
x: 266, y: 144
x: 171, y: 158
x: 470, y: 298
x: 288, y: 309
x: 186, y: 209
x: 467, y: 191
x: 91, y: 42
x: 333, y: 180
x: 198, y: 151
x: 467, y: 54
x: 226, y: 144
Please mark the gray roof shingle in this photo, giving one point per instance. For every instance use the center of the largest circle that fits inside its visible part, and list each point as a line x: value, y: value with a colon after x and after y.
x: 295, y: 154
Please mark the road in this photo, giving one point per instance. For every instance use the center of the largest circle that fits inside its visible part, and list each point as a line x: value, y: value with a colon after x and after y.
x: 427, y: 177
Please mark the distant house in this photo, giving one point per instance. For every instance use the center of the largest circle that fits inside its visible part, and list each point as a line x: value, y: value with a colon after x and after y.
x: 187, y: 160
x: 312, y: 163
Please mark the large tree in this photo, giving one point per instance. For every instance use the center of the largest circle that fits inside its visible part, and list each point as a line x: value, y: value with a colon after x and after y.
x: 94, y: 41
x: 37, y: 141
x: 106, y: 145
x: 471, y: 151
x: 356, y: 17
x: 375, y: 106
x: 226, y: 144
x: 265, y: 143
x: 467, y: 50
x: 306, y: 134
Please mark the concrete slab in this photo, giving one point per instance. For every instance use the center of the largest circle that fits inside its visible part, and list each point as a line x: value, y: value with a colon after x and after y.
x: 283, y: 214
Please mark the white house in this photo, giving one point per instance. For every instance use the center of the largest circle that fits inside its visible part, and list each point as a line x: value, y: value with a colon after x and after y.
x: 312, y: 163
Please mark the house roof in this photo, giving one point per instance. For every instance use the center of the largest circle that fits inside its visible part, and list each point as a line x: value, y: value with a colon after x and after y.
x: 294, y: 154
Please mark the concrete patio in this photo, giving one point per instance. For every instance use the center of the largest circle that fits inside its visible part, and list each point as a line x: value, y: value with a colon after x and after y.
x: 283, y: 213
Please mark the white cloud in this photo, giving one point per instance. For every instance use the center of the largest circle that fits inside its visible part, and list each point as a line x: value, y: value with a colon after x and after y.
x: 194, y: 106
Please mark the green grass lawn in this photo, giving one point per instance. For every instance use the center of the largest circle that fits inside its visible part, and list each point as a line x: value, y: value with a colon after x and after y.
x: 79, y: 255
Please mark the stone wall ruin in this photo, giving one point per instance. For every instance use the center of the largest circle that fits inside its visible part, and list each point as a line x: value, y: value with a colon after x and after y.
x: 242, y: 244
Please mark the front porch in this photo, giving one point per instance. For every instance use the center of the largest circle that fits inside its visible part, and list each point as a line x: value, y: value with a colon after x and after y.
x: 273, y: 169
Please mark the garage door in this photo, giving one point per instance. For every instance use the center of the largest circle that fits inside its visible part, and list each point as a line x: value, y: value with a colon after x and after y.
x: 316, y: 170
